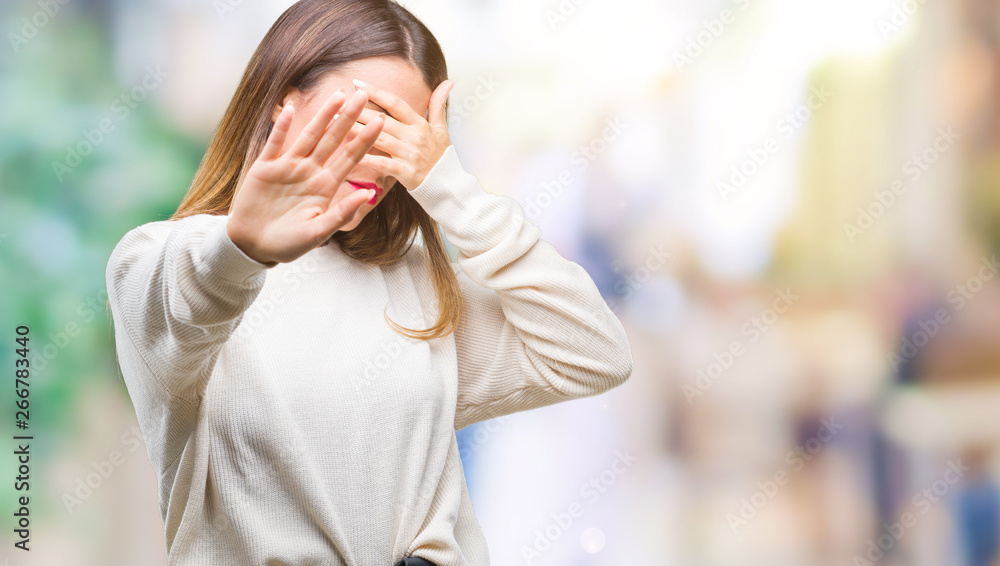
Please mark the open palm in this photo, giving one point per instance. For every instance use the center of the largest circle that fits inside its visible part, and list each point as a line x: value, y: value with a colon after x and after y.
x: 284, y: 207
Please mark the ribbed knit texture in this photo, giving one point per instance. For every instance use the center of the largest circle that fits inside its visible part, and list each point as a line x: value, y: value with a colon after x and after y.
x: 291, y: 426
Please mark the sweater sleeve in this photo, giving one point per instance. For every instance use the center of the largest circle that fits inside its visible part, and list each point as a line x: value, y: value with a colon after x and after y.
x: 534, y: 329
x: 179, y: 288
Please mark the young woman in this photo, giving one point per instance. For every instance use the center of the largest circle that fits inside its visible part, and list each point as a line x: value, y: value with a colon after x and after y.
x: 290, y: 416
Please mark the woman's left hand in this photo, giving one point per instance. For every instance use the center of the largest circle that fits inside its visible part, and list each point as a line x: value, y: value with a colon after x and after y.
x: 414, y: 144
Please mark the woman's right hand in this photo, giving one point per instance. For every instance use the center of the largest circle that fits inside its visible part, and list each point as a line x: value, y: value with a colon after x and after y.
x: 284, y: 207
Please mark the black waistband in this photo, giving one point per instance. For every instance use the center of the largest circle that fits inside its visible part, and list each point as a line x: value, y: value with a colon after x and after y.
x: 415, y: 561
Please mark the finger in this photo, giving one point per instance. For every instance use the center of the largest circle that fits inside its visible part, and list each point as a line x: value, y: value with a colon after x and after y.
x: 392, y: 125
x: 339, y: 214
x: 397, y: 107
x: 279, y: 131
x: 386, y: 142
x: 356, y: 149
x: 334, y: 135
x: 382, y: 164
x: 314, y: 130
x: 438, y: 100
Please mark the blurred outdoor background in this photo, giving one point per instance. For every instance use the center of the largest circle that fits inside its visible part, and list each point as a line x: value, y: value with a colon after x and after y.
x: 792, y: 205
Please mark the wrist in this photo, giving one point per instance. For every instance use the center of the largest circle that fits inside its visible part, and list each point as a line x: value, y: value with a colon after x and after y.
x: 245, y: 247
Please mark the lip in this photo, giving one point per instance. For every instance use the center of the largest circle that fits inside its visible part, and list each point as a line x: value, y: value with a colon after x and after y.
x: 358, y: 185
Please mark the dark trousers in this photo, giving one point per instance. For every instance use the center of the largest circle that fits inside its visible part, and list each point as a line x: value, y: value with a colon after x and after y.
x: 415, y: 561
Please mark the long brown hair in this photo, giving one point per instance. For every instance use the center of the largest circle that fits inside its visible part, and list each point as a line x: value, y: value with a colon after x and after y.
x: 311, y: 38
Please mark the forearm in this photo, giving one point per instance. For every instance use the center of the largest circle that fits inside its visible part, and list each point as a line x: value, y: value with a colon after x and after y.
x: 179, y: 290
x: 573, y: 339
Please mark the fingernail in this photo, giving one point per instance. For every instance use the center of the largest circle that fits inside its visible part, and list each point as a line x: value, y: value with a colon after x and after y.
x: 359, y: 84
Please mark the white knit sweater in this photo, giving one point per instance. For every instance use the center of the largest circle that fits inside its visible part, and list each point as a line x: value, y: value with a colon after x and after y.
x: 290, y: 425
